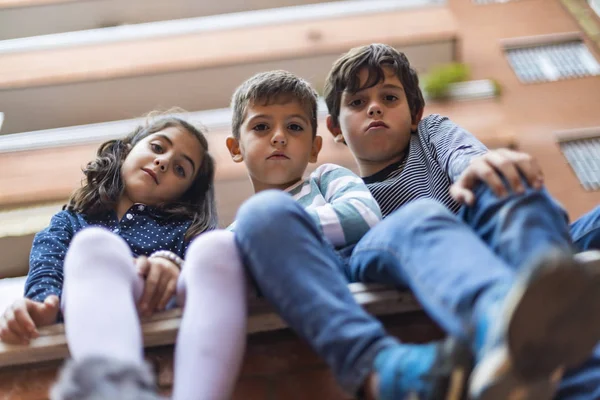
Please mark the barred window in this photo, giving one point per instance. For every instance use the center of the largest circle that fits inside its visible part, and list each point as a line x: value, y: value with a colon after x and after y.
x: 552, y: 62
x: 584, y: 157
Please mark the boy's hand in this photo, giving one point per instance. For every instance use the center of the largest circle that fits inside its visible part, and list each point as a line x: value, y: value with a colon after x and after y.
x: 161, y: 281
x: 491, y: 167
x: 20, y: 321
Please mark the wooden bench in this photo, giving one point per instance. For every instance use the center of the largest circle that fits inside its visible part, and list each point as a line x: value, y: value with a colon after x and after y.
x: 199, y: 70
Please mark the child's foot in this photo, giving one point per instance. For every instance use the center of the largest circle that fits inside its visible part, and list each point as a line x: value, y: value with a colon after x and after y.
x: 98, y: 378
x: 433, y: 371
x: 547, y: 322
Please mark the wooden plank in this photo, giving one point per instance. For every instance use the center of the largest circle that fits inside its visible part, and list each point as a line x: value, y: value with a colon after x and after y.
x: 161, y: 328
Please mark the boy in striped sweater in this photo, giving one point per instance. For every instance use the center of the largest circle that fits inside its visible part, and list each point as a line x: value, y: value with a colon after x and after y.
x: 305, y: 241
x: 275, y: 135
x: 296, y: 240
x: 407, y: 161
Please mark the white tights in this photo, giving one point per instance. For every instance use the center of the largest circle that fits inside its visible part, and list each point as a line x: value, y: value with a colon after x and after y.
x: 101, y: 290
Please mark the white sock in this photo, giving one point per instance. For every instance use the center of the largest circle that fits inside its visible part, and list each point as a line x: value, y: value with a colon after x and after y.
x: 212, y: 337
x: 99, y: 298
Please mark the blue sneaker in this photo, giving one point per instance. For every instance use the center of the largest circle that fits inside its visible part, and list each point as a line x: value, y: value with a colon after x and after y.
x: 437, y: 371
x: 545, y: 323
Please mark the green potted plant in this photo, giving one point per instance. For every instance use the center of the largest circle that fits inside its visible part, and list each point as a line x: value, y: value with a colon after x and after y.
x: 439, y: 79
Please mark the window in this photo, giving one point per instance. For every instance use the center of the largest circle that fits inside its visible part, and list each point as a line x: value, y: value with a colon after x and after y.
x: 552, y: 62
x: 584, y: 157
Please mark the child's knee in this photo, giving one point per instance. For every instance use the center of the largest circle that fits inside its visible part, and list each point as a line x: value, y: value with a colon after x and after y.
x: 267, y: 206
x: 212, y: 259
x: 213, y: 253
x: 95, y: 240
x: 215, y: 249
x: 99, y: 250
x: 420, y: 212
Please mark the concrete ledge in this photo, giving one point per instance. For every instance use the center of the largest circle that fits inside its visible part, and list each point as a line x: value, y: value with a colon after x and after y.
x: 575, y: 134
x: 191, y: 26
x: 114, y: 81
x: 538, y: 40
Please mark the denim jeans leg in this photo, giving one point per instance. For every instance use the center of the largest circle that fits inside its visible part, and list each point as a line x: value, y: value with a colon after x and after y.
x: 300, y: 274
x: 585, y: 232
x: 583, y: 383
x: 424, y: 247
x: 518, y: 227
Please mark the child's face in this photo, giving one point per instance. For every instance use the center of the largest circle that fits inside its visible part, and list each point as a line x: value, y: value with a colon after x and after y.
x: 375, y: 122
x: 160, y: 168
x: 276, y: 144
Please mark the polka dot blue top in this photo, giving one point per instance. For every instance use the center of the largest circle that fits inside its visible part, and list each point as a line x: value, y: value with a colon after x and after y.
x: 145, y: 229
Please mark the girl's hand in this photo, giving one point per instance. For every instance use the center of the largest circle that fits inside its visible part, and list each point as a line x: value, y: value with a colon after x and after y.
x: 19, y: 323
x: 161, y: 282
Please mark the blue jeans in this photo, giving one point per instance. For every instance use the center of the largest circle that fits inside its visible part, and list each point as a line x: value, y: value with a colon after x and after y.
x: 299, y: 273
x: 514, y: 228
x: 422, y: 246
x: 585, y: 232
x: 518, y: 227
x: 583, y: 383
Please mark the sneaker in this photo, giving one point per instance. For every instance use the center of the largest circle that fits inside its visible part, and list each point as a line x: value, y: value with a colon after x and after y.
x: 436, y: 371
x: 98, y: 378
x: 547, y: 322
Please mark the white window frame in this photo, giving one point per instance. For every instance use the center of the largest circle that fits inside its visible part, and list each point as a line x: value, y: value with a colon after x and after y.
x: 588, y: 175
x: 549, y: 70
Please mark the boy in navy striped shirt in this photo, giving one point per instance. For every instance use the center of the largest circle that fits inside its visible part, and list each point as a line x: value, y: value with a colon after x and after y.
x: 499, y: 296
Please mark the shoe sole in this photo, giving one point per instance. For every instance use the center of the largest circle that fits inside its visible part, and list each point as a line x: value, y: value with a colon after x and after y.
x: 458, y: 384
x: 458, y: 381
x: 552, y: 326
x: 505, y: 385
x: 555, y: 323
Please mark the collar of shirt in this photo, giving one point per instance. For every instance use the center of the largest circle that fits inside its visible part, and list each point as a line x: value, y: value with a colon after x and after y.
x: 384, y: 173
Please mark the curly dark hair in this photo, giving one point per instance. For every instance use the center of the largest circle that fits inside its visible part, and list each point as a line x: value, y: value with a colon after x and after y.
x: 103, y: 186
x: 344, y: 76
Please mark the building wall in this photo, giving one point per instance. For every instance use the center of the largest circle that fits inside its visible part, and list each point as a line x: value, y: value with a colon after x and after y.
x: 532, y: 111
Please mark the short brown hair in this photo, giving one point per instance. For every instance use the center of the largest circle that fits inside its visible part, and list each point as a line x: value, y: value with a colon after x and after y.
x: 270, y: 88
x: 344, y: 76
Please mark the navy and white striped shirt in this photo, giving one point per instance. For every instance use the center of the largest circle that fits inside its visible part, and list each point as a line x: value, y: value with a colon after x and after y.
x: 339, y: 203
x: 437, y: 154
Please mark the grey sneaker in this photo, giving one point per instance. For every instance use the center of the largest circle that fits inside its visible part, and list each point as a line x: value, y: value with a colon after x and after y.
x: 98, y: 378
x: 549, y: 323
